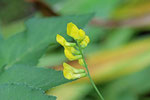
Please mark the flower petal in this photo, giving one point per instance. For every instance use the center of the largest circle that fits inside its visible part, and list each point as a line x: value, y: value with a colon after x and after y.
x: 69, y: 54
x: 81, y: 35
x: 60, y: 40
x: 72, y: 73
x: 72, y: 30
x: 85, y: 42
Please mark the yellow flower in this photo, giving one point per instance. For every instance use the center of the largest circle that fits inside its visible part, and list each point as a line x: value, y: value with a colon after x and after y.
x: 60, y: 40
x: 77, y: 34
x: 69, y: 53
x: 85, y: 42
x: 69, y: 48
x: 74, y: 32
x: 72, y: 73
x: 63, y: 42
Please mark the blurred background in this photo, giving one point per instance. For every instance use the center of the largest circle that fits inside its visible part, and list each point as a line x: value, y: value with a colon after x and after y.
x: 118, y: 54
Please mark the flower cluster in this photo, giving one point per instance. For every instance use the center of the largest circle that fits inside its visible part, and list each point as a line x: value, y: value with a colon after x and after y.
x: 71, y: 50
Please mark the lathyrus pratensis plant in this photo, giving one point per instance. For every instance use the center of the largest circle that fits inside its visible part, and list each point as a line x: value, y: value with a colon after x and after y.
x: 74, y: 51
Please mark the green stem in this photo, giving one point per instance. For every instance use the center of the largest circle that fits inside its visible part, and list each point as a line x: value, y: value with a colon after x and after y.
x: 88, y: 74
x: 93, y: 84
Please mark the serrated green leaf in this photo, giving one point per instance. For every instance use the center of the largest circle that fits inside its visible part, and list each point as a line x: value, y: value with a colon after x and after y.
x: 37, y: 77
x: 22, y: 92
x: 27, y: 47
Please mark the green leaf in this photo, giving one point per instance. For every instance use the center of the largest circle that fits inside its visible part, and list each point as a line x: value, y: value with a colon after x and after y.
x: 22, y: 92
x: 27, y: 47
x: 37, y: 77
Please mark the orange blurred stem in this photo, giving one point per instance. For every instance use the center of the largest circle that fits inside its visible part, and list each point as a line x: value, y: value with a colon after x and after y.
x: 88, y: 73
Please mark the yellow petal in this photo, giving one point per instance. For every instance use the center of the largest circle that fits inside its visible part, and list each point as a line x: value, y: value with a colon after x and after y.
x: 69, y: 54
x: 72, y: 73
x: 74, y: 32
x: 71, y: 76
x: 85, y: 42
x: 71, y: 69
x: 81, y: 34
x: 67, y: 75
x: 60, y: 40
x: 67, y: 71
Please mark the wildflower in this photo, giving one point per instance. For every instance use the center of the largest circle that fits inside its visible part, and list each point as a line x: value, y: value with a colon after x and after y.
x: 63, y: 42
x: 71, y: 50
x: 69, y: 53
x: 74, y: 32
x: 74, y: 52
x: 72, y: 73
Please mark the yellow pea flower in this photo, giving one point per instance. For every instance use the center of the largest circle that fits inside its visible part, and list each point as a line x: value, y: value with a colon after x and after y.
x: 74, y: 52
x: 85, y: 42
x: 72, y: 73
x: 74, y: 32
x: 61, y: 40
x: 69, y: 53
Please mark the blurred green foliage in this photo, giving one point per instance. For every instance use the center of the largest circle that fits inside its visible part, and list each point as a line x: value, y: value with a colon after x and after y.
x: 132, y: 87
x: 119, y: 37
x: 102, y: 8
x: 35, y: 45
x: 11, y: 10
